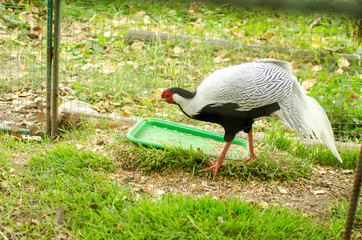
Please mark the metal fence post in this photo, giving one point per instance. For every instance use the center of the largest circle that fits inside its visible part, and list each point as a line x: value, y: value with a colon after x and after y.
x: 356, y: 190
x: 54, y: 120
x: 49, y: 64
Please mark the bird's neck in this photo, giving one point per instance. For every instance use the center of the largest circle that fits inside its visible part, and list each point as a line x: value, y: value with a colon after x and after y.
x: 183, y: 92
x: 186, y: 101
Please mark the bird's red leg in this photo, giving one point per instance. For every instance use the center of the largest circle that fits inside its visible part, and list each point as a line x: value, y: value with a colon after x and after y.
x: 216, y: 166
x: 252, y: 155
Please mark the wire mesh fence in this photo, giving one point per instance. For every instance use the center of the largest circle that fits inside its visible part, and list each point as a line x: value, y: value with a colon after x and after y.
x: 22, y: 66
x: 118, y: 56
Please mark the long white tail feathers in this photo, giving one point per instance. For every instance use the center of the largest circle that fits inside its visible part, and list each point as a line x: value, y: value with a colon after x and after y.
x: 307, y: 118
x: 320, y: 125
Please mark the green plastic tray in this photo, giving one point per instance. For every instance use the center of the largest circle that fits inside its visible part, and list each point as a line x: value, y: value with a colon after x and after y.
x: 158, y: 133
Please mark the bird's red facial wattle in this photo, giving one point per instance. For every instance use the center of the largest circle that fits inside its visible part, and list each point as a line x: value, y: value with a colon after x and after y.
x: 167, y: 95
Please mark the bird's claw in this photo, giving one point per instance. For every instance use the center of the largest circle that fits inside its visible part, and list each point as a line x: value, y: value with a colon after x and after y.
x: 214, y: 167
x: 212, y: 163
x: 250, y: 159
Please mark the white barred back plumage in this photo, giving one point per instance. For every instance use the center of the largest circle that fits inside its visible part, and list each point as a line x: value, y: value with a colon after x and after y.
x: 250, y: 85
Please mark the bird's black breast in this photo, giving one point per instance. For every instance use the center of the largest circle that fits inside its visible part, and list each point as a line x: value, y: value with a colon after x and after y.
x: 231, y: 119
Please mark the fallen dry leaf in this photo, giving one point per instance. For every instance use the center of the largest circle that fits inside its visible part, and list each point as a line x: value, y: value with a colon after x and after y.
x: 75, y: 117
x: 339, y: 71
x: 108, y: 68
x: 195, y: 41
x: 61, y: 236
x: 4, y: 184
x: 268, y: 35
x: 14, y: 128
x: 237, y: 33
x: 126, y: 114
x: 233, y: 32
x: 152, y: 100
x: 351, y: 96
x: 309, y: 83
x: 34, y: 10
x: 177, y: 50
x: 159, y: 93
x: 317, y: 68
x: 41, y: 117
x: 34, y: 129
x: 222, y: 53
x: 37, y: 28
x: 141, y: 13
x: 107, y: 34
x: 137, y: 46
x: 343, y: 63
x: 273, y: 55
x: 25, y: 17
x: 316, y: 44
x: 146, y: 20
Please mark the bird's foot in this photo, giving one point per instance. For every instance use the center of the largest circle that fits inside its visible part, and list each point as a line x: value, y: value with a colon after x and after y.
x: 212, y: 163
x: 214, y: 167
x: 250, y: 159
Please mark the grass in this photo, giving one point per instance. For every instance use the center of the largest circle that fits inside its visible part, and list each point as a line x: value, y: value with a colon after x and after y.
x: 317, y: 154
x: 40, y: 181
x: 269, y: 166
x: 61, y: 178
x: 204, y: 218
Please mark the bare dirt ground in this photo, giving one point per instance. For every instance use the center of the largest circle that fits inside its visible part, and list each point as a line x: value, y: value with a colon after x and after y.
x: 312, y: 196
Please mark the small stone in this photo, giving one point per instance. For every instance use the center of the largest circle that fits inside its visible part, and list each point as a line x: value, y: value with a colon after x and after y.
x: 282, y: 190
x: 160, y: 192
x: 319, y: 192
x: 322, y: 171
x: 4, y: 184
x: 264, y: 204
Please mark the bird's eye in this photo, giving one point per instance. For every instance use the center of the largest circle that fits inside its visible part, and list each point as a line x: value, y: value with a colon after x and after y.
x: 167, y: 95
